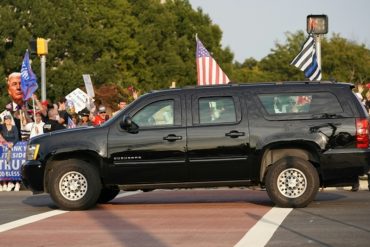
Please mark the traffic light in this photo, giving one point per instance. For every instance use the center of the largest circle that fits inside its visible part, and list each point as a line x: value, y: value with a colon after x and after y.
x: 33, y: 46
x: 38, y: 46
x: 317, y: 24
x: 42, y: 46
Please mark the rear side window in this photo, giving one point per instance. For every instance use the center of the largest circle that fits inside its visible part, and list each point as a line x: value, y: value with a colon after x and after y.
x: 300, y: 103
x: 216, y: 110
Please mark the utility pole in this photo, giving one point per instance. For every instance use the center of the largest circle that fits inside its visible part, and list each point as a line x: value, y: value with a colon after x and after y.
x: 43, y: 77
x: 42, y: 51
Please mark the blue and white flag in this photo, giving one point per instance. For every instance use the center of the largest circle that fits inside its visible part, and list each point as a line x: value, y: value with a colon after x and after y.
x: 306, y: 60
x: 28, y: 78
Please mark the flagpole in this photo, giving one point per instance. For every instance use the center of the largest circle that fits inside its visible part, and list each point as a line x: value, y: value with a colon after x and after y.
x: 318, y: 49
x: 34, y: 110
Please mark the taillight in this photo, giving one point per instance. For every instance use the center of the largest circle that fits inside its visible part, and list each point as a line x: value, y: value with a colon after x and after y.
x: 362, y: 133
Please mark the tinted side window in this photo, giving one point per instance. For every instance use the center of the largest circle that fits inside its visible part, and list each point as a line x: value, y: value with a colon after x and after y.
x: 216, y: 110
x: 158, y: 113
x: 300, y: 103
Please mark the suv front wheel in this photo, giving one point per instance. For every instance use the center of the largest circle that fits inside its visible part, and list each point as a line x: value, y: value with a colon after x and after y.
x: 292, y: 182
x: 74, y: 185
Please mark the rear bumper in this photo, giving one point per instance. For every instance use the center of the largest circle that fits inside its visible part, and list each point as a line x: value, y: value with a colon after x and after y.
x: 33, y: 175
x: 344, y: 165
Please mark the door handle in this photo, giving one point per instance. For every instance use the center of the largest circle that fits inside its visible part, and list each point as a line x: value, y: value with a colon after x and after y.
x: 235, y: 134
x: 172, y: 138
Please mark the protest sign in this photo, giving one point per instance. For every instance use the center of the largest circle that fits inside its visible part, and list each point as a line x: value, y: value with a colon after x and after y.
x: 88, y: 85
x: 79, y: 98
x: 11, y: 161
x: 6, y: 113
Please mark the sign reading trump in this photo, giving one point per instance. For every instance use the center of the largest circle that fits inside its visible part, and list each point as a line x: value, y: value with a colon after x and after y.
x: 11, y: 161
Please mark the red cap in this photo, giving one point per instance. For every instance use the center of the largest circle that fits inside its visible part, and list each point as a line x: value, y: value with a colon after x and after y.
x: 368, y: 85
x: 44, y: 103
x: 31, y: 112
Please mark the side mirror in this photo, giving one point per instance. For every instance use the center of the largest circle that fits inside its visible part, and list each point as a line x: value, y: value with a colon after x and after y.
x: 128, y: 125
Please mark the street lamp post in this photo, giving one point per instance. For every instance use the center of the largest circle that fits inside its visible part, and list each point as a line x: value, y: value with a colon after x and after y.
x: 42, y: 51
x: 43, y: 77
x: 317, y: 25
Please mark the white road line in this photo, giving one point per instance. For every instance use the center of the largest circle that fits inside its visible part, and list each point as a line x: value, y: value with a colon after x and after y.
x: 29, y: 220
x: 260, y: 233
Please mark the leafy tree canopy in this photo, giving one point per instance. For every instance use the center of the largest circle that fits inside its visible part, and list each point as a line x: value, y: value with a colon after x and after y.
x: 342, y: 60
x: 145, y: 44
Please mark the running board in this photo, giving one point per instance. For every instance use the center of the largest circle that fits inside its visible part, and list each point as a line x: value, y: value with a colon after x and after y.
x: 129, y: 187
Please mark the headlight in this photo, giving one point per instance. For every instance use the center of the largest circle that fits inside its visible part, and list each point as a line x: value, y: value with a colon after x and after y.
x: 32, y: 151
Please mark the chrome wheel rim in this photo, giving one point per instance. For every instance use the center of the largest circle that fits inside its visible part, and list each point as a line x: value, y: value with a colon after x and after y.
x: 73, y: 186
x: 292, y: 183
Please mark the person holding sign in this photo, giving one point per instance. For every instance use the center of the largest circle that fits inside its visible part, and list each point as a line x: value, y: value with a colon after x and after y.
x: 17, y: 107
x: 3, y: 143
x: 9, y: 131
x: 10, y: 134
x: 37, y: 127
x: 16, y: 95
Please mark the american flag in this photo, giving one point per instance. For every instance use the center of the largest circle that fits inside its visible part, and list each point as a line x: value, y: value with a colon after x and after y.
x: 71, y: 124
x: 306, y: 60
x: 209, y: 73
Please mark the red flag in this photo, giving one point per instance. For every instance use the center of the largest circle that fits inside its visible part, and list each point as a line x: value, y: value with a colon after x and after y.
x: 209, y: 73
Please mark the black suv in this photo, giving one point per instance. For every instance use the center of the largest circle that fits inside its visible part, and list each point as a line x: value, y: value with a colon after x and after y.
x: 289, y: 137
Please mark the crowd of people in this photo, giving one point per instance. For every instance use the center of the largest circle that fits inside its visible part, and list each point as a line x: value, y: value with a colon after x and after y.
x: 363, y: 94
x: 21, y: 121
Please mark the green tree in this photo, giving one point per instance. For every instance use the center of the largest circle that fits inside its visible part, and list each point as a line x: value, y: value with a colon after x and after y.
x: 277, y: 63
x: 145, y: 44
x: 342, y: 60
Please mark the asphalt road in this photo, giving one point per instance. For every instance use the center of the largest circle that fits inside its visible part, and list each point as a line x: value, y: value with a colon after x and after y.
x: 199, y: 217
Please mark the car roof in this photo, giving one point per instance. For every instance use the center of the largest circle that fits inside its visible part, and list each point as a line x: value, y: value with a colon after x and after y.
x: 257, y: 85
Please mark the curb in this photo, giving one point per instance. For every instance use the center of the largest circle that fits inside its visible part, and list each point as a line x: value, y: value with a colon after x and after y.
x: 363, y: 186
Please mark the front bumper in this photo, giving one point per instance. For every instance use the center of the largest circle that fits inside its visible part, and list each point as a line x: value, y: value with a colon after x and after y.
x: 33, y: 175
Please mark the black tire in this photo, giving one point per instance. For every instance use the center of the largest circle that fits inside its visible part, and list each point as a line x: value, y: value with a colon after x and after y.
x: 108, y: 193
x: 74, y: 185
x: 292, y: 182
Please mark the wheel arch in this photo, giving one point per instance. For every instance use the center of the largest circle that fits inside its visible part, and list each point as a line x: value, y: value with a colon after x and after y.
x: 57, y: 159
x: 277, y: 151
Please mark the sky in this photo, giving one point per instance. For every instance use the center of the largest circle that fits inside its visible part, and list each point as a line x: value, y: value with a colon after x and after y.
x: 251, y: 28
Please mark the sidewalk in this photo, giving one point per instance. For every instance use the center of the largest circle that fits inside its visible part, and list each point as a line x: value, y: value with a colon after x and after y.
x: 363, y: 186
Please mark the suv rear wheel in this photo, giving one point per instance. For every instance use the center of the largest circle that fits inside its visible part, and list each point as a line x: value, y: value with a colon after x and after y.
x: 292, y: 182
x: 74, y: 185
